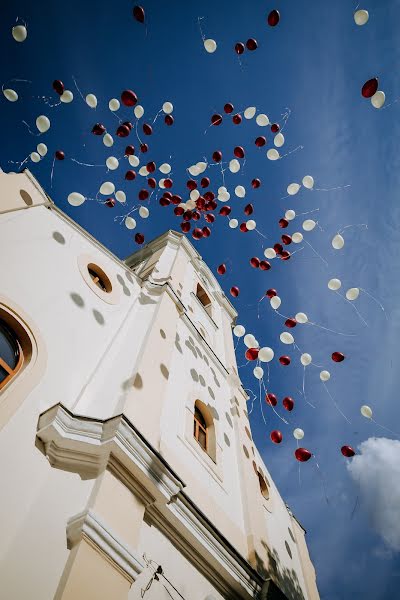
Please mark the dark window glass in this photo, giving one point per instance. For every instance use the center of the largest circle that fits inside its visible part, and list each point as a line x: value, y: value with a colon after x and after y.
x: 9, y: 351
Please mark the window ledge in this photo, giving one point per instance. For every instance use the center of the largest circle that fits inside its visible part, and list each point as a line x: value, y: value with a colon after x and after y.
x: 205, y: 459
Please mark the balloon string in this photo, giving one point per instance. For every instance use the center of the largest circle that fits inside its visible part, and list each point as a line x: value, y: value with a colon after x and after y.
x: 297, y: 444
x: 353, y: 306
x: 332, y: 189
x: 356, y: 225
x: 79, y: 91
x: 223, y: 174
x: 273, y: 408
x: 335, y: 403
x: 296, y: 251
x: 203, y: 37
x: 308, y: 212
x: 85, y: 164
x: 304, y: 388
x: 48, y: 101
x: 375, y: 300
x: 331, y: 330
x: 52, y: 172
x: 30, y: 130
x: 322, y: 479
x: 123, y: 217
x: 285, y: 117
x: 262, y: 412
x: 383, y: 427
x: 291, y: 152
x: 157, y: 115
x: 314, y: 250
x: 261, y: 234
x: 137, y: 134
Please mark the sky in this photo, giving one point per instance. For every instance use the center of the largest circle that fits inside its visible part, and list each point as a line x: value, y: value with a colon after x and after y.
x: 313, y: 63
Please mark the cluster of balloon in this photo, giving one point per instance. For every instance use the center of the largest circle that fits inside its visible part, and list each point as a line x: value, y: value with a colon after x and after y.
x: 370, y: 90
x: 251, y: 45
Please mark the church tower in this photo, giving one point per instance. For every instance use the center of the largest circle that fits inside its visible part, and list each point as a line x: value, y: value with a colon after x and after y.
x: 129, y: 470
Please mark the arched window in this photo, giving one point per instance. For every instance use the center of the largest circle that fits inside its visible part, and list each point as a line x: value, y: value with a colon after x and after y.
x: 263, y: 485
x: 11, y: 354
x: 200, y: 429
x: 204, y: 299
x: 99, y: 278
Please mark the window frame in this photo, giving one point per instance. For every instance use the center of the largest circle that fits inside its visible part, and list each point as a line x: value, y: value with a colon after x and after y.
x: 198, y: 426
x: 12, y: 372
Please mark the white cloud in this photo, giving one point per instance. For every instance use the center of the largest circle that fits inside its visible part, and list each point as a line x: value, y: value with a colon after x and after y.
x: 376, y: 469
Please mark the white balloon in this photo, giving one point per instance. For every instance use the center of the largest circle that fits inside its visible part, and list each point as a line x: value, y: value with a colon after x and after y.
x: 35, y: 157
x: 234, y: 165
x: 42, y: 149
x: 262, y: 120
x: 352, y: 294
x: 239, y: 331
x: 120, y: 196
x: 138, y: 111
x: 308, y: 182
x: 269, y: 253
x: 194, y: 194
x: 266, y: 354
x: 338, y: 242
x: 161, y: 183
x: 275, y: 302
x: 112, y: 163
x: 361, y: 17
x: 251, y: 224
x: 91, y: 100
x: 107, y: 188
x: 297, y: 237
x: 324, y: 376
x: 202, y: 166
x: 19, y: 33
x: 308, y: 225
x: 143, y: 171
x: 258, y: 372
x: 273, y: 154
x: 334, y: 284
x: 43, y: 123
x: 366, y: 411
x: 301, y: 317
x: 240, y: 191
x: 144, y: 212
x: 222, y: 189
x: 250, y: 341
x: 67, y: 97
x: 233, y: 223
x: 279, y: 140
x: 11, y: 95
x: 165, y: 168
x: 191, y: 204
x: 194, y: 171
x: 298, y: 433
x: 76, y: 199
x: 114, y: 104
x: 210, y: 45
x: 290, y: 215
x: 168, y: 107
x: 249, y: 112
x: 305, y: 359
x: 108, y: 140
x: 378, y: 99
x: 286, y: 338
x: 130, y: 223
x: 133, y: 160
x: 293, y: 188
x: 224, y: 196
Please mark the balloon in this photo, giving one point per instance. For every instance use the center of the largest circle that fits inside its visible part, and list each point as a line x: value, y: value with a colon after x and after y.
x: 366, y: 411
x: 225, y: 211
x: 251, y: 44
x: 143, y: 171
x: 249, y: 112
x: 338, y: 356
x: 302, y: 454
x: 276, y: 436
x: 239, y: 48
x: 43, y: 123
x: 255, y: 183
x: 361, y: 17
x: 76, y: 199
x: 108, y: 140
x: 278, y: 248
x: 308, y: 225
x: 251, y: 224
x: 258, y: 372
x: 347, y: 451
x: 112, y: 163
x: 138, y: 111
x: 114, y: 104
x: 144, y: 148
x: 165, y: 168
x: 224, y: 196
x: 19, y: 33
x: 271, y: 399
x: 130, y: 175
x: 250, y: 340
x: 378, y: 99
x: 275, y: 302
x: 138, y: 14
x: 284, y: 360
x: 298, y: 433
x: 98, y: 129
x: 308, y: 182
x: 338, y: 242
x: 35, y: 157
x: 286, y: 338
x: 237, y: 119
x: 352, y: 294
x: 147, y: 129
x: 67, y: 97
x: 305, y: 359
x: 91, y: 100
x: 194, y: 194
x: 167, y: 108
x: 238, y: 152
x: 255, y: 262
x: 110, y: 202
x: 128, y: 98
x: 262, y: 120
x: 228, y: 108
x: 234, y: 165
x: 210, y: 45
x: 139, y: 238
x: 143, y: 195
x: 288, y: 403
x: 301, y: 317
x: 240, y: 191
x: 293, y: 188
x: 297, y: 237
x: 265, y: 265
x: 235, y: 291
x: 286, y: 239
x: 169, y: 120
x: 273, y: 154
x: 42, y: 149
x: 202, y: 166
x: 273, y: 18
x: 279, y: 140
x: 324, y: 376
x: 271, y: 293
x: 239, y: 331
x: 58, y: 86
x: 260, y: 141
x: 334, y: 284
x: 216, y: 119
x: 144, y: 212
x: 59, y: 154
x: 120, y: 196
x: 269, y: 253
x: 251, y: 353
x: 233, y: 223
x: 369, y: 88
x: 266, y: 354
x: 248, y: 209
x: 11, y: 95
x: 290, y: 323
x: 107, y: 188
x: 130, y: 223
x: 274, y: 127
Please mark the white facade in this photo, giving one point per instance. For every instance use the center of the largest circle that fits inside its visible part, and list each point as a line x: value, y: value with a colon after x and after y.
x: 106, y: 396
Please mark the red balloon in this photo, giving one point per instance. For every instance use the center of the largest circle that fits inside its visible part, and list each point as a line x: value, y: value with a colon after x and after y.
x: 251, y: 44
x: 129, y: 150
x: 252, y: 353
x: 265, y: 265
x: 260, y: 141
x: 237, y: 119
x: 228, y: 108
x: 197, y: 233
x: 290, y: 323
x: 347, y: 451
x: 185, y: 226
x: 206, y: 231
x: 98, y: 129
x: 369, y: 88
x: 284, y: 360
x: 212, y: 205
x: 167, y: 195
x: 243, y: 227
x: 151, y: 166
x: 130, y: 175
x: 187, y: 215
x: 128, y: 98
x: 276, y: 436
x: 283, y: 223
x: 217, y: 156
x: 58, y: 87
x: 209, y: 196
x: 235, y: 291
x: 151, y: 182
x: 239, y: 48
x: 191, y: 184
x: 248, y: 209
x: 255, y: 183
x: 179, y: 210
x: 201, y: 203
x: 128, y: 124
x: 275, y: 127
x: 168, y: 183
x: 271, y: 293
x: 210, y: 218
x: 273, y: 18
x: 221, y: 269
x: 169, y: 120
x: 285, y: 255
x: 196, y: 215
x: 138, y: 13
x: 278, y: 248
x: 143, y: 195
x: 139, y: 238
x: 238, y: 152
x: 216, y: 119
x: 255, y: 262
x: 286, y: 239
x: 205, y: 182
x: 110, y: 202
x: 271, y: 399
x: 144, y: 148
x: 59, y: 154
x: 288, y: 403
x: 175, y: 199
x: 302, y: 454
x: 338, y: 357
x: 164, y: 201
x: 147, y: 129
x: 123, y: 131
x: 225, y: 211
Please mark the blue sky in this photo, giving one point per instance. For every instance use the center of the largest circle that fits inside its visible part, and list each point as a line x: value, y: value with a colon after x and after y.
x: 314, y: 63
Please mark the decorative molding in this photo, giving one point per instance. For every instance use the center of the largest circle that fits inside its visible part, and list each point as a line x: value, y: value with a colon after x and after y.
x: 89, y: 525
